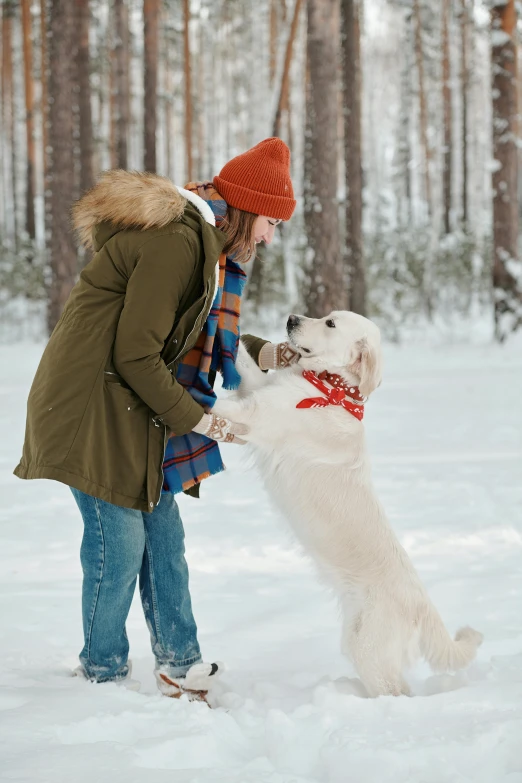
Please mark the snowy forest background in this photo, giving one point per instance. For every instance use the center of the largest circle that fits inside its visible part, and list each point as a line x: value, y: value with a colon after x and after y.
x: 401, y: 116
x: 403, y: 123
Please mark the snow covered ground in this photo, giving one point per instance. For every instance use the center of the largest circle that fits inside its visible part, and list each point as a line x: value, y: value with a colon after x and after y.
x: 445, y: 434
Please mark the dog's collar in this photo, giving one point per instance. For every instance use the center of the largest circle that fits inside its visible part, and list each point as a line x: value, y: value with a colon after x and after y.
x: 336, y: 394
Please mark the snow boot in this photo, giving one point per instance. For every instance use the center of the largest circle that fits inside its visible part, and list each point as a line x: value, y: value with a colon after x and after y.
x: 194, y: 685
x: 125, y: 682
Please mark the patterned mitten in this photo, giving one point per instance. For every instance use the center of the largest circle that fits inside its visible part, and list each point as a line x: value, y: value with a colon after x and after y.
x: 221, y: 429
x: 275, y: 357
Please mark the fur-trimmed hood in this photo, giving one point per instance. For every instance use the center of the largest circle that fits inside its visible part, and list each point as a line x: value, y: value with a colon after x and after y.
x: 132, y: 200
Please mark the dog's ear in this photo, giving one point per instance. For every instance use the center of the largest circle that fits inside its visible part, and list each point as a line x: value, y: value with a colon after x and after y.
x: 367, y: 365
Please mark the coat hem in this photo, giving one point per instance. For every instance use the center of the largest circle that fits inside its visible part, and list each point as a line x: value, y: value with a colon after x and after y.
x: 80, y: 483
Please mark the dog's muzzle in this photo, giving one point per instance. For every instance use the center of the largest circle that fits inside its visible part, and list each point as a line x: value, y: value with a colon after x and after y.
x: 292, y: 323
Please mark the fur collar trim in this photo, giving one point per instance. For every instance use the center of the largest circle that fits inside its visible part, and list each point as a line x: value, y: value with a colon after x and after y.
x: 200, y: 204
x: 133, y: 199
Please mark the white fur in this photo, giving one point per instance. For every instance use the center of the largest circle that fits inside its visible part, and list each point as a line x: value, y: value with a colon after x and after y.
x: 315, y: 466
x: 200, y: 204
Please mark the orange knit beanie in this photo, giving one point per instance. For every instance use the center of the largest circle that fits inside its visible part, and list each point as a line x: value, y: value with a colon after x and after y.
x: 259, y: 181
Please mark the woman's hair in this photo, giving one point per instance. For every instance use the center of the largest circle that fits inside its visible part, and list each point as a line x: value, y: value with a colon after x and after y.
x: 238, y: 225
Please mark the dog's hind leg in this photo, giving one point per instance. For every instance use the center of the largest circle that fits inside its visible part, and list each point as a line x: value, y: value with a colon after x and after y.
x: 376, y: 653
x: 381, y: 679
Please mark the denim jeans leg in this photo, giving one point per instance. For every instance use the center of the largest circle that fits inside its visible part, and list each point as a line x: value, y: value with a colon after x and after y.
x: 111, y: 555
x: 164, y: 590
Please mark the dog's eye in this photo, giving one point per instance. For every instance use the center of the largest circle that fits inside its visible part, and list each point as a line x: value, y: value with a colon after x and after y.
x: 306, y: 350
x: 330, y: 323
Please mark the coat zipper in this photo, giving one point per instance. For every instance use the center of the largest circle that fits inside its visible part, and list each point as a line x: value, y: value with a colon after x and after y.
x: 168, y: 366
x: 154, y: 419
x: 162, y: 459
x: 190, y: 333
x: 187, y: 338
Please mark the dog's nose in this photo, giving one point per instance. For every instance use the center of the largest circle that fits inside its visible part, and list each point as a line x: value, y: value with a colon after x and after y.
x: 293, y: 320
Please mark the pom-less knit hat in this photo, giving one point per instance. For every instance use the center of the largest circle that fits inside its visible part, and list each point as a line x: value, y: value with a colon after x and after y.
x: 259, y: 181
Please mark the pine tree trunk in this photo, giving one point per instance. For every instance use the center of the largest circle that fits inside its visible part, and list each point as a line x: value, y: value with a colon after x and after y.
x: 288, y: 114
x: 506, y: 266
x: 150, y: 20
x: 130, y: 130
x: 201, y: 103
x: 8, y: 156
x: 44, y: 97
x: 405, y: 212
x: 350, y: 40
x: 29, y: 117
x: 169, y: 99
x: 121, y: 83
x: 464, y: 84
x: 327, y: 289
x: 84, y: 96
x: 188, y: 88
x: 283, y: 101
x: 227, y: 81
x: 62, y: 246
x: 423, y: 111
x: 446, y: 102
x: 111, y: 74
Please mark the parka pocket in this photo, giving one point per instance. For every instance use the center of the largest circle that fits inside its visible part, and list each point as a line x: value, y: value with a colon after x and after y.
x: 124, y: 395
x: 128, y: 424
x: 114, y: 381
x: 111, y: 449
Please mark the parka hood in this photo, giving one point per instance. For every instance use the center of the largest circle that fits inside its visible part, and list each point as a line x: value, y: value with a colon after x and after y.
x: 130, y: 200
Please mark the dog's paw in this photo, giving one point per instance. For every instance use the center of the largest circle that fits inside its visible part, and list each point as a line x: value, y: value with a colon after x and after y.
x: 232, y: 410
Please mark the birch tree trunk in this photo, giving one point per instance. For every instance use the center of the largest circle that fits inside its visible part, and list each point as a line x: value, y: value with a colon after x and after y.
x: 62, y: 247
x: 84, y: 96
x: 327, y: 288
x: 446, y: 103
x: 507, y: 271
x: 29, y: 117
x: 351, y: 55
x: 150, y: 20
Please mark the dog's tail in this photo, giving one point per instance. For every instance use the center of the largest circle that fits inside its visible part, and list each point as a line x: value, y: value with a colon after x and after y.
x: 441, y: 651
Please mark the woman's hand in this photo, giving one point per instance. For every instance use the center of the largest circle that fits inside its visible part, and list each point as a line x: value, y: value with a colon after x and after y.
x: 277, y: 356
x: 221, y: 429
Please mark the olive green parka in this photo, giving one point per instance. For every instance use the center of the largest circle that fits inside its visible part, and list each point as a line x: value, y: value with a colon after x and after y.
x: 105, y: 398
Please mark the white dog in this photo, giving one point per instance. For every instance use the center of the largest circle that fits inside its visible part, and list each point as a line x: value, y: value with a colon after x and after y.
x: 310, y: 448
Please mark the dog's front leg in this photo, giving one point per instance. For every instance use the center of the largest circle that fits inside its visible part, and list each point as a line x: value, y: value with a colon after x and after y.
x: 241, y: 411
x: 252, y: 377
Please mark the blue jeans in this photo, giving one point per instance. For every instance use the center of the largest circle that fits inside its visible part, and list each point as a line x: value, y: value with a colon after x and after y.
x: 118, y: 544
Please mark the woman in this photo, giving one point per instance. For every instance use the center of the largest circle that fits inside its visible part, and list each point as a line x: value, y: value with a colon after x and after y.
x: 120, y: 407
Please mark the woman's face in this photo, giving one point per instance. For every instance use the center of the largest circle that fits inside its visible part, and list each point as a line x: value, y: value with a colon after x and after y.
x: 264, y: 228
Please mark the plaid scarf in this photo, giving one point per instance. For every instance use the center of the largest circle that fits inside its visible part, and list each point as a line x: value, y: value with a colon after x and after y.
x: 191, y: 458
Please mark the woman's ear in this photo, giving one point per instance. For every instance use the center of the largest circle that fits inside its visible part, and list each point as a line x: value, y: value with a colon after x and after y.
x: 367, y: 365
